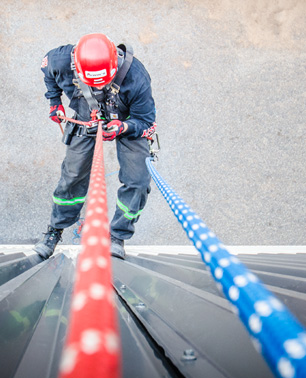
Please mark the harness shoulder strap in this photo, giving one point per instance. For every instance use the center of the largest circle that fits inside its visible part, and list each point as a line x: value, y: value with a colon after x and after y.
x: 89, y: 96
x: 116, y: 84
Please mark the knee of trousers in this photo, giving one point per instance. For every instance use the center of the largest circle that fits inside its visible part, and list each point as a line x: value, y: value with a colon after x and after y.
x: 136, y: 180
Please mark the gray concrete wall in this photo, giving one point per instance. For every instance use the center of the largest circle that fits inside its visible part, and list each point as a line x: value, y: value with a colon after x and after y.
x: 229, y: 83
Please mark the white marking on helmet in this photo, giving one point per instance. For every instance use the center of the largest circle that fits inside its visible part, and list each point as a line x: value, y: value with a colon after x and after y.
x: 95, y: 74
x: 99, y: 81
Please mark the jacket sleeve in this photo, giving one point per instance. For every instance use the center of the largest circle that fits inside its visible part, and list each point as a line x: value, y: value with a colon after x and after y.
x: 141, y: 103
x: 142, y: 113
x: 54, y: 92
x: 58, y: 75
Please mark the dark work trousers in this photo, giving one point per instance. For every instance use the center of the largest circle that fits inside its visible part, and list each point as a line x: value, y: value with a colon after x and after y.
x: 70, y: 194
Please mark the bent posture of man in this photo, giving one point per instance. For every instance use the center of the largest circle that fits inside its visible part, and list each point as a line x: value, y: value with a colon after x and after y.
x: 99, y: 78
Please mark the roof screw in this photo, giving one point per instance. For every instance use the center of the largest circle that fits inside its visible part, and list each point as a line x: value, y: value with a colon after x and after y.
x: 189, y: 355
x: 122, y: 287
x: 140, y: 306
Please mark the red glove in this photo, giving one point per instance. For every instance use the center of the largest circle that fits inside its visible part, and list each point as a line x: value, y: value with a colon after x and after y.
x: 113, y: 129
x: 55, y: 111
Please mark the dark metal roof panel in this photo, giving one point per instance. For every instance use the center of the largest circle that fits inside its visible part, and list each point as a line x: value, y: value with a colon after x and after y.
x: 173, y: 320
x: 183, y: 317
x: 34, y: 308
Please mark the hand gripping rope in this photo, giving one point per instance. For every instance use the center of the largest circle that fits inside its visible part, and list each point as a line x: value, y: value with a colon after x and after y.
x: 275, y: 332
x: 93, y: 348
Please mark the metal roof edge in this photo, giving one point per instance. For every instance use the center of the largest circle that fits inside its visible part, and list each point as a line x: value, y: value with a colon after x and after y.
x: 169, y: 249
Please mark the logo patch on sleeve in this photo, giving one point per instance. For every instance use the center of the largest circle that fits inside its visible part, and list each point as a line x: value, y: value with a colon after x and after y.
x: 149, y: 132
x: 44, y: 62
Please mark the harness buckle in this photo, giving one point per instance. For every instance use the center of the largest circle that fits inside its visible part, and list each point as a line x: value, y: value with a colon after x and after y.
x: 91, y: 131
x: 115, y: 88
x: 86, y: 131
x: 76, y: 83
x: 79, y: 131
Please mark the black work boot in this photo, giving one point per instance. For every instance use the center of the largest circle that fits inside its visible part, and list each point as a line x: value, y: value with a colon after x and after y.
x: 117, y: 248
x: 46, y: 247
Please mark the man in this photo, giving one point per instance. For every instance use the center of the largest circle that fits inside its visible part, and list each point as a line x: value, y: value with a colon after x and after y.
x: 99, y: 80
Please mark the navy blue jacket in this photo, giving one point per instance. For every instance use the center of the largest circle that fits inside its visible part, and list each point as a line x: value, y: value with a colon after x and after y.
x: 135, y: 91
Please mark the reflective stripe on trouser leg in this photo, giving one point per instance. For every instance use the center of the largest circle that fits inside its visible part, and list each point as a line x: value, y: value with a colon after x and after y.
x: 70, y: 194
x: 133, y: 194
x: 68, y: 202
x: 127, y: 212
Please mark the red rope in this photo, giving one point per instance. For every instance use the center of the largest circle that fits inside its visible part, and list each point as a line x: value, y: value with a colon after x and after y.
x: 74, y: 121
x: 93, y: 346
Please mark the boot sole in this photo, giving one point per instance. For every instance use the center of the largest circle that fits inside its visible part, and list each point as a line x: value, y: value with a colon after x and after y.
x: 122, y: 257
x: 43, y: 250
x: 117, y: 251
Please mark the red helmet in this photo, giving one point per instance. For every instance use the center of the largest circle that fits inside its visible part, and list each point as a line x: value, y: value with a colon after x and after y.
x: 95, y: 58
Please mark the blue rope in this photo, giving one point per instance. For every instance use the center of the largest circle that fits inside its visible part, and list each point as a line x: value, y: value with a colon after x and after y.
x: 111, y: 173
x: 275, y: 332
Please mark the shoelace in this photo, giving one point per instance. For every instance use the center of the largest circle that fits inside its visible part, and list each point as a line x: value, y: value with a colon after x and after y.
x: 57, y: 234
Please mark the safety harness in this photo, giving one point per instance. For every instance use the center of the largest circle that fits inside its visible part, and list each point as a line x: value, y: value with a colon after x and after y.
x: 106, y: 109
